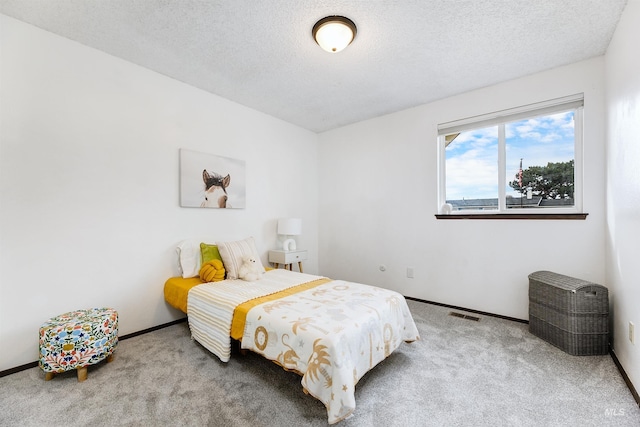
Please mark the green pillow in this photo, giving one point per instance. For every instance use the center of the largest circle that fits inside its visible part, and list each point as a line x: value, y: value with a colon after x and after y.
x: 209, y: 252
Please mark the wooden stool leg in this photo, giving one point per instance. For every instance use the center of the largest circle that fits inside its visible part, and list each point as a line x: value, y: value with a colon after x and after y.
x: 48, y: 376
x: 82, y: 374
x: 110, y: 358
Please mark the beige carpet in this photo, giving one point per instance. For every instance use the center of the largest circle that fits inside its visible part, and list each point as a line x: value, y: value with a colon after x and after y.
x: 462, y: 373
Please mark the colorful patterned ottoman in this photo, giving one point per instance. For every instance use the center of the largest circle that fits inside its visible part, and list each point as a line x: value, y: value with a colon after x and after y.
x: 76, y: 340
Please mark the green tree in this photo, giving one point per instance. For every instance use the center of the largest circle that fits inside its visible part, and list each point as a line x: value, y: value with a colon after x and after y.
x: 552, y: 181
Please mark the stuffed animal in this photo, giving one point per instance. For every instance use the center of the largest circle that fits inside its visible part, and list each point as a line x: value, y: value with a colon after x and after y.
x: 249, y: 269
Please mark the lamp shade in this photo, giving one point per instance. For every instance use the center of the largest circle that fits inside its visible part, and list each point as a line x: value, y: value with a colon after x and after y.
x: 290, y: 226
x: 334, y: 33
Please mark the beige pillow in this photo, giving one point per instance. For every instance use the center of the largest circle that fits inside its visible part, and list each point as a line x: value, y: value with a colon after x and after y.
x: 233, y: 252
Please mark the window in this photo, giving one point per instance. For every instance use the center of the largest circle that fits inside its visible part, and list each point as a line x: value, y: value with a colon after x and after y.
x: 522, y: 161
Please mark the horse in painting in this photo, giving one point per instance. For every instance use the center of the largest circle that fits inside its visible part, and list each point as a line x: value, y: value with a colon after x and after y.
x: 215, y: 190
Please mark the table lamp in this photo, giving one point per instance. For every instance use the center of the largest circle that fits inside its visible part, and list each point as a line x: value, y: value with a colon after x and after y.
x: 289, y: 227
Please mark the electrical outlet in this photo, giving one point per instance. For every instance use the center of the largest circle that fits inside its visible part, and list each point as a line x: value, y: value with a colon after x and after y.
x: 631, y: 333
x: 410, y: 272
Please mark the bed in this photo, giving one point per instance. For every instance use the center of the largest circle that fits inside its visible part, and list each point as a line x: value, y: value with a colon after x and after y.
x: 331, y: 332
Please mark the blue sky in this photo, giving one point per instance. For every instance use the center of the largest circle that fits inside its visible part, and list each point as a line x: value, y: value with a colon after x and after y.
x: 472, y: 158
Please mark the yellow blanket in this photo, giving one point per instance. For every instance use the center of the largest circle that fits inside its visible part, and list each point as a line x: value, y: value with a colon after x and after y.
x: 176, y: 290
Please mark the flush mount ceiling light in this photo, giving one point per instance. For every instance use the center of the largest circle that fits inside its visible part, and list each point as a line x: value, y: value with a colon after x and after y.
x: 334, y: 33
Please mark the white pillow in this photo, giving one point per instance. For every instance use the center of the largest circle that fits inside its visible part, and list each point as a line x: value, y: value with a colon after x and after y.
x: 189, y: 258
x: 233, y: 252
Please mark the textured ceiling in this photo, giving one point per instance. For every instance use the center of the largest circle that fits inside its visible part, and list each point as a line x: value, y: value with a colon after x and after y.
x: 260, y: 53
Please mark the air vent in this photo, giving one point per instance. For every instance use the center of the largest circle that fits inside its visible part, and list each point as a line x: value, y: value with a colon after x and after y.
x: 464, y: 316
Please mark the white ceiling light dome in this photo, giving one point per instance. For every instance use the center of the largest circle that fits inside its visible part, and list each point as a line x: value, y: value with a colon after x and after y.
x: 334, y: 33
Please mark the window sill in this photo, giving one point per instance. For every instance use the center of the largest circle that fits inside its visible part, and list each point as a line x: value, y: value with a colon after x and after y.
x: 572, y: 216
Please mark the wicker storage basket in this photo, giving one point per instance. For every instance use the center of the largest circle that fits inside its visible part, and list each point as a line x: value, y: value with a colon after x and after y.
x: 570, y: 313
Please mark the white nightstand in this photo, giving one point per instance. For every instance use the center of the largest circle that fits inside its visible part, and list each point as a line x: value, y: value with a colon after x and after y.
x: 287, y: 258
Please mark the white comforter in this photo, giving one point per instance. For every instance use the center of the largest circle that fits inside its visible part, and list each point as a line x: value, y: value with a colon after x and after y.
x: 331, y: 334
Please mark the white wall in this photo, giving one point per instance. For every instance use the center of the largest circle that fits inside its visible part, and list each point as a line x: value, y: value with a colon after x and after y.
x: 89, y: 211
x: 89, y: 197
x: 378, y: 200
x: 623, y: 186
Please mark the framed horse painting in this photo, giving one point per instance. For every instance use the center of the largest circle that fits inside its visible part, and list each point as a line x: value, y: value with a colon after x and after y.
x: 210, y: 181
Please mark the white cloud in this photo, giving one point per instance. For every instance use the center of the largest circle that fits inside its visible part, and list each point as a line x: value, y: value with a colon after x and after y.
x: 472, y: 158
